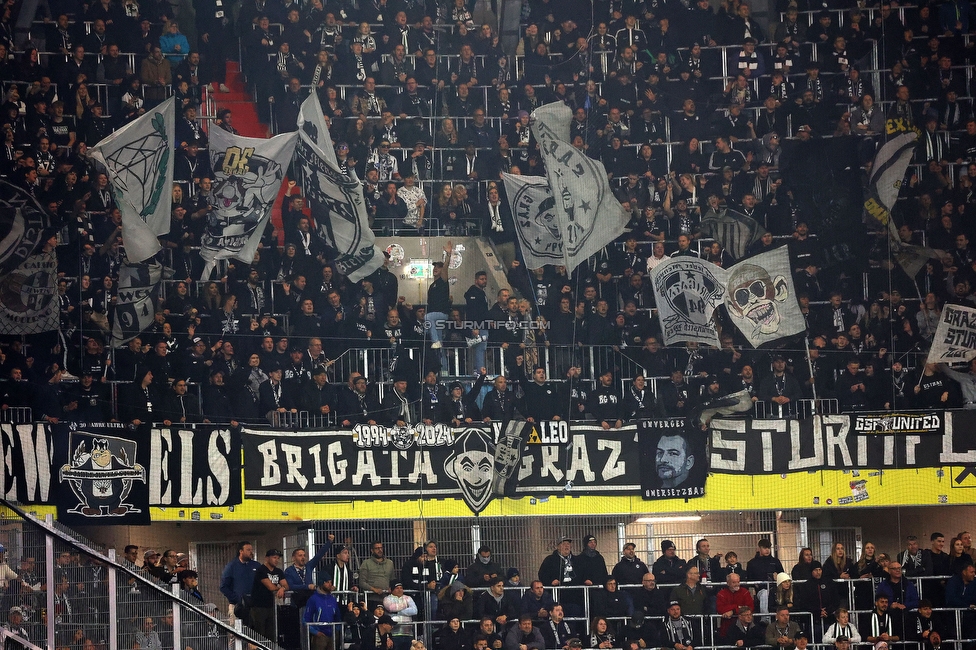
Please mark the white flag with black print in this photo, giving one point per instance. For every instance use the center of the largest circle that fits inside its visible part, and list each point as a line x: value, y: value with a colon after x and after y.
x: 955, y: 337
x: 29, y: 296
x: 139, y: 161
x: 335, y: 199
x: 579, y: 186
x: 536, y: 224
x: 248, y: 173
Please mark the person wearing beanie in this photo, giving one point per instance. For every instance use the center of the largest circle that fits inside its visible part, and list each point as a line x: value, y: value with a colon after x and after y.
x: 592, y: 565
x: 402, y: 609
x: 460, y: 408
x: 380, y: 635
x: 817, y: 597
x: 455, y: 600
x: 513, y: 578
x: 669, y: 569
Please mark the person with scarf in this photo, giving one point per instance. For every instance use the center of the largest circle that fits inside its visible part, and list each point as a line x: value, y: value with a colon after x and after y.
x: 558, y: 570
x: 397, y: 406
x: 678, y: 632
x: 842, y: 627
x: 745, y: 633
x: 781, y: 633
x: 379, y: 635
x: 911, y: 558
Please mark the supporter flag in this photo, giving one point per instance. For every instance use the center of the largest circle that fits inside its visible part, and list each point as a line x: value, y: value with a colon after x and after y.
x: 955, y: 337
x: 579, y: 186
x: 139, y: 160
x: 29, y: 296
x: 737, y: 402
x: 22, y: 224
x: 336, y: 199
x: 536, y: 224
x: 138, y: 291
x: 886, y: 178
x: 733, y: 230
x: 138, y: 239
x: 761, y: 300
x: 687, y: 291
x: 248, y: 173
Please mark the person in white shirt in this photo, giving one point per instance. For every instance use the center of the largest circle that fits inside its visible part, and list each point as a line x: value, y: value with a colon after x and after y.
x: 415, y: 199
x: 658, y: 256
x: 401, y: 609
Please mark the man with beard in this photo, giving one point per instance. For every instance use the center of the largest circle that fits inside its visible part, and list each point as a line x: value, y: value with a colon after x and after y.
x: 375, y: 575
x: 673, y: 462
x: 592, y: 566
x: 649, y: 600
x: 630, y: 570
x: 298, y: 575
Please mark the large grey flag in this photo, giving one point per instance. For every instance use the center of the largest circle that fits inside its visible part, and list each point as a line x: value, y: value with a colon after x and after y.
x: 761, y: 300
x: 248, y: 173
x: 687, y: 291
x: 135, y: 309
x: 579, y: 186
x: 336, y: 200
x: 758, y: 294
x: 733, y: 230
x: 139, y: 160
x: 536, y: 224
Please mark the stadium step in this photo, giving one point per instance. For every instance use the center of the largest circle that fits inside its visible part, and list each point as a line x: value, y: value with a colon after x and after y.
x: 241, y: 102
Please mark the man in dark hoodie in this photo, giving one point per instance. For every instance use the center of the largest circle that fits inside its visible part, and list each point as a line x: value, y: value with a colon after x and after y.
x: 561, y: 569
x: 669, y: 569
x: 592, y: 566
x: 630, y: 570
x: 483, y: 570
x: 817, y: 597
x: 764, y: 566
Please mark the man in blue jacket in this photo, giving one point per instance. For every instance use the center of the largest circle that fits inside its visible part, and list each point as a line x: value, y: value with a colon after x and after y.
x: 238, y: 577
x: 322, y: 607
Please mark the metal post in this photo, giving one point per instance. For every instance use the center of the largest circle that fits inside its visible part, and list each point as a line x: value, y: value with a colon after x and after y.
x: 311, y: 553
x: 803, y: 532
x: 621, y: 537
x: 475, y: 539
x: 113, y: 605
x: 177, y: 617
x: 49, y: 580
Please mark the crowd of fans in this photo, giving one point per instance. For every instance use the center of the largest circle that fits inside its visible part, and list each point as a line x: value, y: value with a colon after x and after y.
x: 428, y: 109
x: 340, y: 599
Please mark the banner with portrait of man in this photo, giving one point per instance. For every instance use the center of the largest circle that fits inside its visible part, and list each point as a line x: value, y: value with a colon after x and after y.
x: 673, y: 462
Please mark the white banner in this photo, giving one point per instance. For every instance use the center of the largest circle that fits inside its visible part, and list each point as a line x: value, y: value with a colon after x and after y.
x: 136, y: 306
x: 139, y: 160
x: 335, y: 199
x: 955, y: 337
x: 28, y: 296
x: 761, y: 300
x: 687, y: 290
x: 536, y: 224
x: 248, y: 173
x: 579, y: 186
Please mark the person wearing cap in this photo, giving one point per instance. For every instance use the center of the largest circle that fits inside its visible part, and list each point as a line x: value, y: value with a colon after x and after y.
x: 591, y: 564
x: 269, y: 585
x: 322, y: 607
x: 402, y: 609
x: 781, y: 632
x: 560, y: 569
x: 86, y: 401
x: 605, y: 403
x: 460, y: 407
x: 730, y: 601
x: 189, y: 581
x: 379, y: 636
x: 630, y: 570
x: 669, y: 569
x: 818, y: 597
x: 677, y: 632
x: 274, y: 396
x: 15, y: 625
x: 745, y: 632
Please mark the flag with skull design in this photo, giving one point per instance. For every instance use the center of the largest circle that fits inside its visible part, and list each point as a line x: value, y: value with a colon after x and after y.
x: 761, y: 300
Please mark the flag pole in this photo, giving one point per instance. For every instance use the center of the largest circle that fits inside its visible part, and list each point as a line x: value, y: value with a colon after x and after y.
x: 813, y: 380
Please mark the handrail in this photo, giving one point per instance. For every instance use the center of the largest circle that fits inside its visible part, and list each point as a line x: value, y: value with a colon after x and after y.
x: 87, y: 548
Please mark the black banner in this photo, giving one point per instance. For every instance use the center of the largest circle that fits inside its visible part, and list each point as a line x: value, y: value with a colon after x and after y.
x: 195, y: 466
x: 28, y: 451
x: 437, y: 461
x: 673, y: 464
x: 101, y: 474
x: 861, y: 441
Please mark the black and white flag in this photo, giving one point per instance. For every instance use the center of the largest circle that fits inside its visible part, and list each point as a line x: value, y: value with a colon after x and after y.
x: 733, y: 230
x: 248, y: 173
x: 579, y: 186
x: 336, y: 200
x: 536, y: 223
x: 955, y: 337
x: 28, y: 296
x: 22, y: 224
x: 136, y: 306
